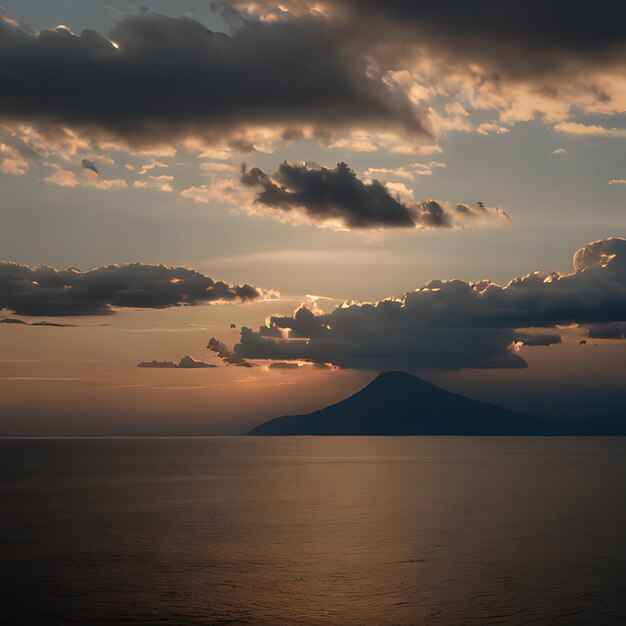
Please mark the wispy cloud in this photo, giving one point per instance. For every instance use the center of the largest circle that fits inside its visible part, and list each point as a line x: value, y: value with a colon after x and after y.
x: 591, y: 130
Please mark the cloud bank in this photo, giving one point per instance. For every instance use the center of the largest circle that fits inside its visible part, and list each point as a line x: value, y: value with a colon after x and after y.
x: 43, y: 290
x: 158, y: 79
x: 533, y: 38
x: 546, y: 60
x: 452, y: 324
x: 361, y: 75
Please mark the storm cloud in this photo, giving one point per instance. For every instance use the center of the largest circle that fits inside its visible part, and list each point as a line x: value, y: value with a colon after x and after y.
x: 157, y: 79
x: 452, y: 324
x: 44, y: 290
x: 337, y: 197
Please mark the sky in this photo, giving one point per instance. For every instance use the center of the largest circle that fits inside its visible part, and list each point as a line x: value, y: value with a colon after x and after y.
x: 303, y: 194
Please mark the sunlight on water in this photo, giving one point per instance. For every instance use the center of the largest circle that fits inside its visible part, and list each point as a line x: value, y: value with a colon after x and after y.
x: 313, y: 531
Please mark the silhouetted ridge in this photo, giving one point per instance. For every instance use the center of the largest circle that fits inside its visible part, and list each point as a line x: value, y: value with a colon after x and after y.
x: 397, y: 403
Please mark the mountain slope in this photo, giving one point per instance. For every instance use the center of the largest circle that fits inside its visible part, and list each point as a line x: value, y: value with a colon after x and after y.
x: 396, y: 403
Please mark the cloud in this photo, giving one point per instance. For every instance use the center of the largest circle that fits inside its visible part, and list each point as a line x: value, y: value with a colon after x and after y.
x: 489, y: 128
x: 404, y: 173
x: 104, y: 184
x: 223, y: 186
x: 16, y: 166
x: 426, y: 169
x: 220, y: 190
x: 67, y: 178
x: 158, y: 364
x: 453, y: 324
x: 154, y: 164
x: 281, y: 365
x: 588, y: 130
x: 13, y: 162
x: 62, y: 178
x: 165, y: 79
x: 548, y: 62
x: 351, y: 74
x: 338, y: 198
x: 430, y: 149
x: 559, y: 152
x: 228, y: 356
x: 43, y: 290
x: 89, y: 165
x: 606, y: 331
x: 543, y: 38
x: 537, y: 337
x: 385, y: 172
x: 158, y: 183
x: 617, y: 181
x: 186, y: 362
x: 44, y: 323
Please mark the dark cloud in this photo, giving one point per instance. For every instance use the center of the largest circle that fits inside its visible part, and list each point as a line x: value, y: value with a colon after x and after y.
x: 532, y: 38
x: 13, y: 320
x: 281, y: 365
x: 338, y: 197
x: 452, y: 324
x: 228, y: 356
x: 43, y: 290
x: 186, y: 362
x: 170, y: 78
x: 606, y: 331
x: 327, y: 195
x: 158, y: 364
x: 89, y: 165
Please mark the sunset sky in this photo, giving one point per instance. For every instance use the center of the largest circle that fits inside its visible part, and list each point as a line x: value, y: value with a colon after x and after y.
x: 331, y: 189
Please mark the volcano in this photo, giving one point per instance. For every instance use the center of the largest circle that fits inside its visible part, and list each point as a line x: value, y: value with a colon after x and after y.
x: 396, y: 403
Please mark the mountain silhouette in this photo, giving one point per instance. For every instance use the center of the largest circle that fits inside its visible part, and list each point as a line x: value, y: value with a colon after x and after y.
x: 396, y: 403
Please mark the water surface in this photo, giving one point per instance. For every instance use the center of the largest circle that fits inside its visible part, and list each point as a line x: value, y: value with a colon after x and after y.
x: 349, y: 531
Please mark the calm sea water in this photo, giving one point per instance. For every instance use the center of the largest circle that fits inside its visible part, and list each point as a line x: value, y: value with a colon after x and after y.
x: 313, y: 531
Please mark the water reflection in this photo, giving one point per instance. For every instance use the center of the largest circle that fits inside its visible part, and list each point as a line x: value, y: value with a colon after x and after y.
x: 314, y: 531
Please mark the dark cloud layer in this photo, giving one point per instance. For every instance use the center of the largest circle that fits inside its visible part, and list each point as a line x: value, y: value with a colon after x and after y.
x: 453, y: 324
x: 532, y: 37
x: 606, y: 331
x: 522, y: 39
x: 170, y: 78
x: 338, y: 196
x: 43, y: 290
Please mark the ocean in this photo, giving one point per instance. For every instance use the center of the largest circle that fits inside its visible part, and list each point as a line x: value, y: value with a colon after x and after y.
x: 311, y: 531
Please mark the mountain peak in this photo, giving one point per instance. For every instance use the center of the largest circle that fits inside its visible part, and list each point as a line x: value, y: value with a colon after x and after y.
x: 398, y: 403
x: 396, y: 376
x: 395, y: 381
